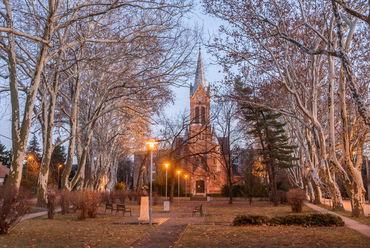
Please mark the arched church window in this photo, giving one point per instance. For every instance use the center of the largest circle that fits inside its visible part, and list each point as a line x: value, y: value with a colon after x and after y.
x: 197, y: 115
x: 203, y: 115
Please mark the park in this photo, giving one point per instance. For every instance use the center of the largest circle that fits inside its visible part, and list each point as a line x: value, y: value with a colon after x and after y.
x: 184, y: 123
x: 179, y: 228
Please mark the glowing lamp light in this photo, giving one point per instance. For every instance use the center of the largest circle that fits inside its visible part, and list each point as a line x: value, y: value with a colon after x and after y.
x: 166, y: 165
x: 178, y: 172
x: 151, y: 144
x: 186, y: 176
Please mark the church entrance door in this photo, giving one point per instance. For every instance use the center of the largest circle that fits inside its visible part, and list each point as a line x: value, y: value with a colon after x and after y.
x: 200, y: 187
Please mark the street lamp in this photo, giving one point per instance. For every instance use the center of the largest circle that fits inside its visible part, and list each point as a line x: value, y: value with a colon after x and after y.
x: 151, y: 144
x: 60, y: 166
x: 186, y: 186
x: 166, y: 165
x: 178, y: 187
x: 29, y: 157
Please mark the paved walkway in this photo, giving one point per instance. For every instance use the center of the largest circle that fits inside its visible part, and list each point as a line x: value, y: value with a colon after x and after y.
x: 347, y: 205
x: 168, y: 233
x: 38, y: 214
x: 362, y: 228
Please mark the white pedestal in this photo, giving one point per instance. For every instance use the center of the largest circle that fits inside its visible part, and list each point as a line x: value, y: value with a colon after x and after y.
x: 144, y: 208
x: 166, y: 206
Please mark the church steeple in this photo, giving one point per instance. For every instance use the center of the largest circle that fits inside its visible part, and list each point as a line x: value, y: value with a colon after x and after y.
x: 199, y: 76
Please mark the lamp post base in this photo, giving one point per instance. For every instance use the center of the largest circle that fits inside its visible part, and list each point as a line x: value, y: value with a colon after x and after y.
x: 166, y: 206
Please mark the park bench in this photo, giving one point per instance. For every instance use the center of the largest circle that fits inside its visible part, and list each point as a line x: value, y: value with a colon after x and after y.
x: 199, y: 209
x: 121, y: 207
x: 109, y: 206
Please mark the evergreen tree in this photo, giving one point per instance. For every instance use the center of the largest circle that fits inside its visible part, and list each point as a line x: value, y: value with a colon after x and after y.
x: 5, y: 156
x: 274, y: 147
x: 32, y: 166
x: 58, y: 158
x: 33, y: 149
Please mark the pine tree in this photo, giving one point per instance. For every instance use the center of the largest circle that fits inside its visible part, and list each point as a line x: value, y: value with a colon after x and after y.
x: 275, y: 151
x: 5, y: 156
x: 58, y: 158
x: 32, y: 166
x: 33, y: 149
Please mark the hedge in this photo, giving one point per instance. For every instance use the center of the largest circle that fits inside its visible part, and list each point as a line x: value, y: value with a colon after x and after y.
x: 302, y: 220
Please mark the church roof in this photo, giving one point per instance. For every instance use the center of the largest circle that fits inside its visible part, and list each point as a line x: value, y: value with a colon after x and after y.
x: 199, y: 76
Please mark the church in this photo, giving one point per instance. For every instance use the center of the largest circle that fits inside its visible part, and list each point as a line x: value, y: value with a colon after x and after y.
x: 205, y: 152
x: 203, y: 155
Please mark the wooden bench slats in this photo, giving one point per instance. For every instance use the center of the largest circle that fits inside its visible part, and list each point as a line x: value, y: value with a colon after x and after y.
x: 121, y: 207
x: 199, y: 209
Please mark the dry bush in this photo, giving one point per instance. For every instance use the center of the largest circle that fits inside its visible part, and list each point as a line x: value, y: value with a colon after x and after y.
x: 112, y: 197
x: 137, y: 196
x: 87, y: 202
x: 94, y: 202
x: 121, y: 196
x: 296, y: 198
x: 51, y: 205
x: 13, y: 206
x: 282, y: 196
x: 105, y: 197
x: 65, y: 200
x: 130, y: 196
x: 156, y: 198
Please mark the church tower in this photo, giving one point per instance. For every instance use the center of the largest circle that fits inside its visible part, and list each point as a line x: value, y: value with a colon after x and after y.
x: 204, y: 164
x: 200, y: 102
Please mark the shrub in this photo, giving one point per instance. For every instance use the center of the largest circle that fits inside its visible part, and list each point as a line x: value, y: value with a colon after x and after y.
x: 94, y: 202
x: 112, y: 197
x: 282, y: 195
x: 120, y: 186
x: 130, y: 196
x: 156, y: 198
x: 121, y: 196
x: 244, y: 220
x: 137, y: 196
x: 65, y: 200
x: 302, y: 220
x: 105, y: 197
x: 324, y: 220
x: 13, y: 206
x: 51, y: 205
x: 87, y: 202
x: 295, y: 198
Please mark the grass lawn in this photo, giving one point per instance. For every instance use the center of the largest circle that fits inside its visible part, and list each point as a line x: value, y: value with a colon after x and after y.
x: 221, y: 211
x: 68, y: 231
x: 287, y: 236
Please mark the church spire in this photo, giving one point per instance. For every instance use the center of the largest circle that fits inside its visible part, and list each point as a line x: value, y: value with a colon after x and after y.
x: 199, y: 75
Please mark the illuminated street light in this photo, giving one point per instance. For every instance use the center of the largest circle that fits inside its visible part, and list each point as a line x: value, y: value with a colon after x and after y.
x: 151, y: 144
x: 29, y: 157
x: 60, y: 166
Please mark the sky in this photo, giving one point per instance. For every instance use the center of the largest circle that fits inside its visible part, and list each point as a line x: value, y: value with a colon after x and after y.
x: 208, y: 24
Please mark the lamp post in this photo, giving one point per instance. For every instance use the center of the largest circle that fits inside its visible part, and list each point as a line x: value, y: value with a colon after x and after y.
x: 178, y: 187
x: 28, y: 161
x: 60, y: 166
x: 166, y: 165
x: 186, y: 186
x: 151, y: 145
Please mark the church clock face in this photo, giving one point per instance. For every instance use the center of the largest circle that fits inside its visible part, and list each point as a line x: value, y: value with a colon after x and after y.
x: 200, y: 98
